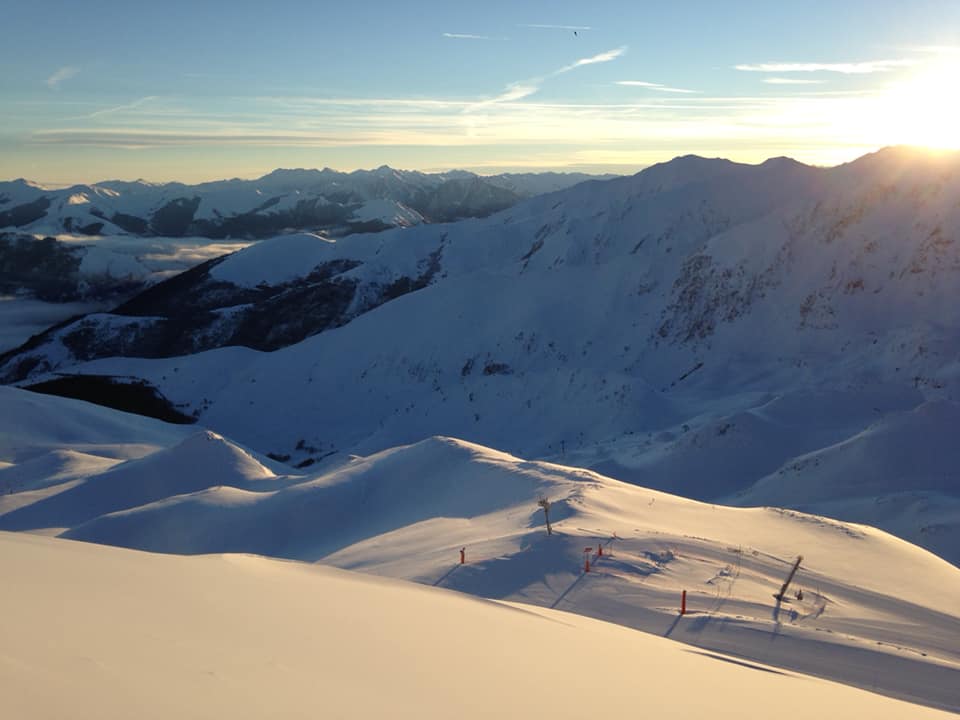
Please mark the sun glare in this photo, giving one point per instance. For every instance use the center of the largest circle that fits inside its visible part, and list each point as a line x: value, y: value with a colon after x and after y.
x: 923, y: 110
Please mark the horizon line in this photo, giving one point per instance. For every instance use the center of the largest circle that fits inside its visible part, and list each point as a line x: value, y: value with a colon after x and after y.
x: 585, y: 168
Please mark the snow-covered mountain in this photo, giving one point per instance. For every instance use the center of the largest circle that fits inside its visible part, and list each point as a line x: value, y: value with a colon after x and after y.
x: 716, y: 330
x: 325, y: 200
x: 864, y: 608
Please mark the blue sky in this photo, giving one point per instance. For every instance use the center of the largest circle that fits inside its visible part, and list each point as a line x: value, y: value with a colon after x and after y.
x: 206, y: 90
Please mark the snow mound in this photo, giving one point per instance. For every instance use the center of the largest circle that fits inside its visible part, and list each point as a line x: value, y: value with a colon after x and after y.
x: 200, y: 461
x: 53, y: 468
x: 274, y: 261
x: 364, y: 498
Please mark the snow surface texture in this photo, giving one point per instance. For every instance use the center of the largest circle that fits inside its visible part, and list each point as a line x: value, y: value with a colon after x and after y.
x: 721, y: 331
x: 875, y: 612
x: 111, y: 634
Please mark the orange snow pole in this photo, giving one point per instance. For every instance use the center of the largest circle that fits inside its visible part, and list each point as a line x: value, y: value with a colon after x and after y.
x: 600, y: 551
x: 586, y: 559
x: 683, y: 603
x: 463, y: 557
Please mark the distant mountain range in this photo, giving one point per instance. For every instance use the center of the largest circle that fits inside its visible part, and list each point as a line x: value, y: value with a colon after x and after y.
x: 327, y: 201
x: 771, y: 334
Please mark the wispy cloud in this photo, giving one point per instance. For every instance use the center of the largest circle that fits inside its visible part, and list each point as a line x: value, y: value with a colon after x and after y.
x: 122, y: 108
x: 554, y: 27
x: 513, y: 92
x: 791, y: 81
x: 655, y: 86
x: 62, y: 75
x: 524, y: 88
x: 600, y: 58
x: 465, y: 36
x: 851, y: 68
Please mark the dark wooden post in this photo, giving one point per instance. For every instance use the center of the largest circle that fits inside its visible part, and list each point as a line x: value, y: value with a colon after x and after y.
x: 793, y: 571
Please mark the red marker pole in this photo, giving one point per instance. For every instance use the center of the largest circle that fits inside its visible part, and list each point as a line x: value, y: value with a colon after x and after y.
x: 683, y: 603
x: 586, y: 559
x: 463, y: 557
x: 600, y: 551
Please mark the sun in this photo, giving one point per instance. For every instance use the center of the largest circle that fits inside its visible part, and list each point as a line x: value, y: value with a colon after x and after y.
x: 922, y: 110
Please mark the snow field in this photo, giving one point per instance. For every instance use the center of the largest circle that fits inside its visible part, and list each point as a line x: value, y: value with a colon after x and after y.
x: 876, y: 612
x: 108, y: 633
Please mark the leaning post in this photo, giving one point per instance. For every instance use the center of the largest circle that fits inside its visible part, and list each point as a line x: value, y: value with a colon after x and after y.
x: 793, y: 571
x: 545, y: 504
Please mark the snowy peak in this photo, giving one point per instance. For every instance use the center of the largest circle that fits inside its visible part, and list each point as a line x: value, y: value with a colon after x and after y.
x: 19, y: 189
x: 325, y: 200
x: 694, y: 170
x: 205, y: 453
x: 685, y: 170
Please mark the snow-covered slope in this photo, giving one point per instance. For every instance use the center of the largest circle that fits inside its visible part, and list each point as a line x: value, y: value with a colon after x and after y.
x: 875, y: 612
x: 110, y: 634
x: 695, y: 328
x: 274, y: 261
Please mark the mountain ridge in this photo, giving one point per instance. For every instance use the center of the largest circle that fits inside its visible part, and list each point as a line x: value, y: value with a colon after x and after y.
x: 286, y: 198
x: 648, y: 326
